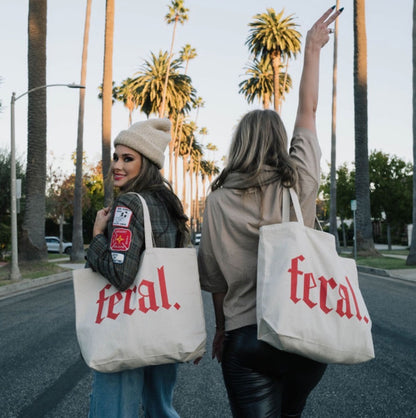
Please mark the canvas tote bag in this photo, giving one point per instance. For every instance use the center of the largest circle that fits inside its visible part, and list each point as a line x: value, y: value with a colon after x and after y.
x: 308, y: 298
x: 158, y: 320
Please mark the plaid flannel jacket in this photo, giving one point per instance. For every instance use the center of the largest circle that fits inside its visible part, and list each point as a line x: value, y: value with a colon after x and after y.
x: 116, y: 253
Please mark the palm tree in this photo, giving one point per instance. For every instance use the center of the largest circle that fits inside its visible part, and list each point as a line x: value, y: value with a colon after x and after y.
x: 186, y: 54
x: 177, y: 13
x: 128, y: 95
x: 193, y: 158
x: 260, y: 83
x: 411, y: 258
x: 209, y: 169
x: 114, y: 92
x: 364, y: 238
x: 77, y: 252
x: 107, y: 100
x: 197, y: 104
x: 148, y: 84
x: 186, y: 140
x: 274, y: 35
x: 333, y: 225
x: 32, y: 240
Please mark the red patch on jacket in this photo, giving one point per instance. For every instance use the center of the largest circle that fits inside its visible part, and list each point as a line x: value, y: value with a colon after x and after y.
x: 121, y: 239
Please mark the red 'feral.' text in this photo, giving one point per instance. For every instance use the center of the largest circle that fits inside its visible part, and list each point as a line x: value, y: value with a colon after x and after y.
x: 145, y: 295
x: 346, y: 305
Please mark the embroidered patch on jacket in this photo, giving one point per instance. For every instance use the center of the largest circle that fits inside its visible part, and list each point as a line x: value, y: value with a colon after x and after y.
x: 121, y: 239
x: 117, y: 258
x: 122, y: 216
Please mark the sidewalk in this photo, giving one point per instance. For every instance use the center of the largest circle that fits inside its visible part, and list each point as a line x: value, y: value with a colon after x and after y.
x: 26, y: 285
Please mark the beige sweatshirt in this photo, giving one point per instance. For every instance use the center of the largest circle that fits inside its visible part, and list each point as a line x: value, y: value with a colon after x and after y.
x: 227, y: 256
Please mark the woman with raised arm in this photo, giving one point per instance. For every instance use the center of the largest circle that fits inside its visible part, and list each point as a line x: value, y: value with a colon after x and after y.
x: 261, y: 380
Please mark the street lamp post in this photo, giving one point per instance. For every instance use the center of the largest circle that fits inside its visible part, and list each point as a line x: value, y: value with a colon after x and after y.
x: 15, y: 272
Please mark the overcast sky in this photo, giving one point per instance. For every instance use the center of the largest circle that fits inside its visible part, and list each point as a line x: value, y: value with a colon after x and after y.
x: 218, y: 30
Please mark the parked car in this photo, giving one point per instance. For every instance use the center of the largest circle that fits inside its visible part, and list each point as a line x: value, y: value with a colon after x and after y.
x: 53, y: 245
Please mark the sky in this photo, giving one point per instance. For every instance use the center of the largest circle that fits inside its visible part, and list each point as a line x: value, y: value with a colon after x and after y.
x: 218, y: 30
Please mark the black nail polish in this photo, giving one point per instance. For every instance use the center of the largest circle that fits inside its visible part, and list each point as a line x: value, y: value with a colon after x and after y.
x: 341, y: 9
x: 333, y: 7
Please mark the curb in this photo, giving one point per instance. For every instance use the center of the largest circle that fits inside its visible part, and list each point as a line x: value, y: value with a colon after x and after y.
x: 373, y: 270
x: 385, y: 273
x: 31, y: 284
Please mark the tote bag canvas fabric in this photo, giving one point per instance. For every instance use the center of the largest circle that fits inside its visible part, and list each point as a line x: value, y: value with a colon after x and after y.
x: 158, y: 320
x: 308, y: 297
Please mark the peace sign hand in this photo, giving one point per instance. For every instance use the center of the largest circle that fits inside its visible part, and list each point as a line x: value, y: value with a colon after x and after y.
x: 318, y: 34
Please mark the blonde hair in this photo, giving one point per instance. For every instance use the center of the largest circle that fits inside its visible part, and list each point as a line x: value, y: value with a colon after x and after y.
x: 260, y: 139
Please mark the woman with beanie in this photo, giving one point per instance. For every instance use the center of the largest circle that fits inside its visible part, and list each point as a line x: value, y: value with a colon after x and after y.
x: 118, y: 241
x: 261, y: 380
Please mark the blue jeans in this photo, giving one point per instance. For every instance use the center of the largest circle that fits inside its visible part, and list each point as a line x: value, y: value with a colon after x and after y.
x: 118, y: 395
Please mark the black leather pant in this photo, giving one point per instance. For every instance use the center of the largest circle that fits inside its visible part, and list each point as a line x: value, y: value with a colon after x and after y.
x: 263, y: 381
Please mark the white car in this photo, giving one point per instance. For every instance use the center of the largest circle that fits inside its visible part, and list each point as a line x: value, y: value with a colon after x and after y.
x: 53, y: 245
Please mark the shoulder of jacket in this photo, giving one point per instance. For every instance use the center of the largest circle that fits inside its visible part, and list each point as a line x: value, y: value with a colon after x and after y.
x: 130, y: 200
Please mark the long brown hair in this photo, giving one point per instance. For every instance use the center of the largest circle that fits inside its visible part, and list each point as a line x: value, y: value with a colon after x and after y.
x: 150, y: 179
x: 260, y: 139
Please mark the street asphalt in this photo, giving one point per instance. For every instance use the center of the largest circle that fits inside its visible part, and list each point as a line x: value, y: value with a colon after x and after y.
x: 30, y: 284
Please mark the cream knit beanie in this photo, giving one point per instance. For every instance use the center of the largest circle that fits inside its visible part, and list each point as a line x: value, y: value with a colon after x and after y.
x: 150, y: 138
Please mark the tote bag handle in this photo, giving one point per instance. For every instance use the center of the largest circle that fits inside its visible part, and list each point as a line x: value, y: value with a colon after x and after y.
x: 290, y: 194
x: 148, y: 235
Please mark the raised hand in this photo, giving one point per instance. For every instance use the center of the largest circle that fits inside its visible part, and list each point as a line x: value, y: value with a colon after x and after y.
x: 318, y: 34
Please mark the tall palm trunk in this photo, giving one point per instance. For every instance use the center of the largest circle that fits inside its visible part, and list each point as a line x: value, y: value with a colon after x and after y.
x: 333, y: 227
x: 411, y: 258
x: 284, y: 83
x: 32, y: 239
x: 365, y: 243
x: 197, y: 172
x: 165, y: 85
x: 77, y: 252
x: 276, y: 82
x: 107, y: 100
x: 173, y: 167
x: 266, y: 101
x: 191, y: 194
x: 184, y: 171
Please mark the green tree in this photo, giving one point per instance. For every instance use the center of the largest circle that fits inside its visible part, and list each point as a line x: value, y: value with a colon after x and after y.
x: 60, y: 192
x: 32, y: 238
x: 345, y: 185
x: 77, y: 252
x: 177, y: 13
x: 411, y: 259
x: 5, y: 203
x: 365, y: 240
x: 274, y: 35
x: 391, y: 191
